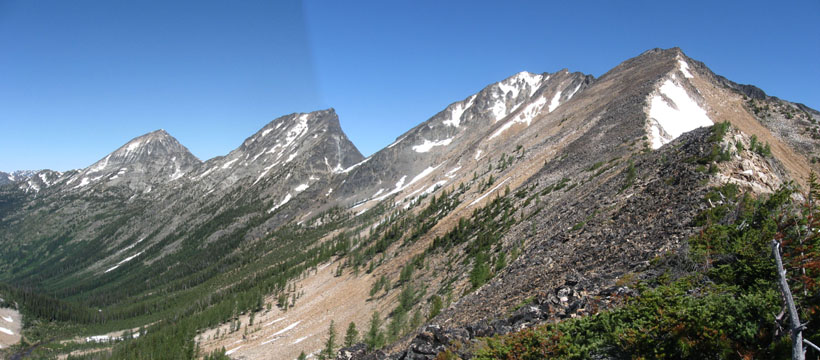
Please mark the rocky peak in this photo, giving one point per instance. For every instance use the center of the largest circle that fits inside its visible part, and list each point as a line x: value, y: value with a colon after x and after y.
x: 429, y: 155
x: 140, y: 164
x: 313, y: 143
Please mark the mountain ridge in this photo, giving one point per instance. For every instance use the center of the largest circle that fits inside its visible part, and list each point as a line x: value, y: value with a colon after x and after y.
x: 527, y: 188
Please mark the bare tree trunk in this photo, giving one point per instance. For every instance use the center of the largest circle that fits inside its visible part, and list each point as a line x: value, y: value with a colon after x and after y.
x: 796, y: 328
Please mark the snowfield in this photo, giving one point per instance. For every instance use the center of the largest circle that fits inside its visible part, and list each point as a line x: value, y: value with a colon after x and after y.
x: 673, y: 112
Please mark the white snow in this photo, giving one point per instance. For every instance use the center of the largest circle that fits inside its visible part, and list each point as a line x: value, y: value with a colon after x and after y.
x: 84, y: 182
x: 266, y: 131
x: 574, y: 91
x: 684, y: 68
x: 351, y: 166
x: 524, y: 117
x: 400, y: 185
x: 433, y: 187
x: 499, y: 110
x: 101, y: 165
x: 301, y: 187
x: 284, y: 201
x: 555, y: 101
x: 509, y: 88
x: 275, y: 321
x: 8, y: 319
x: 286, y: 329
x: 177, y: 174
x: 259, y: 154
x: 410, y: 195
x: 422, y: 174
x: 396, y: 142
x: 7, y: 331
x: 513, y: 86
x: 44, y: 178
x: 488, y: 193
x: 205, y: 173
x: 478, y: 154
x: 329, y: 191
x: 233, y: 350
x: 457, y: 111
x: 673, y: 113
x: 123, y: 261
x: 134, y: 244
x: 229, y: 163
x: 132, y: 147
x: 291, y: 157
x: 452, y: 172
x: 427, y: 145
x: 98, y: 338
x: 297, y: 130
x: 531, y: 79
x: 300, y: 339
x: 378, y: 192
x: 264, y: 172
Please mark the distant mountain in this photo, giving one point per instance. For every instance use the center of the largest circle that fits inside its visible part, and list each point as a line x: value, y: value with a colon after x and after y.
x: 141, y: 164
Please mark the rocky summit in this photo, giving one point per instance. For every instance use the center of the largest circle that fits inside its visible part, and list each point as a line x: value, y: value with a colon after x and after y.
x: 538, y: 206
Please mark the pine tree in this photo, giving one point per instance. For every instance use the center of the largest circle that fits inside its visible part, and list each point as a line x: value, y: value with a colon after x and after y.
x: 302, y: 356
x: 352, y: 335
x: 416, y: 320
x: 374, y: 337
x: 328, y: 352
x: 435, y: 306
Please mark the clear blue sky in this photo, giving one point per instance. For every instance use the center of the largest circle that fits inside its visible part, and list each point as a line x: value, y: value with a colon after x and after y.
x: 80, y: 78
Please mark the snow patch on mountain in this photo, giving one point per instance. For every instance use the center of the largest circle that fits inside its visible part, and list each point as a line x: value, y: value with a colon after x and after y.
x: 574, y: 91
x: 555, y: 101
x: 340, y: 170
x: 284, y: 201
x: 123, y: 262
x: 456, y: 112
x: 396, y: 142
x: 427, y: 145
x: 229, y: 163
x: 488, y: 193
x: 684, y: 68
x: 291, y: 157
x: 673, y: 112
x: 525, y: 116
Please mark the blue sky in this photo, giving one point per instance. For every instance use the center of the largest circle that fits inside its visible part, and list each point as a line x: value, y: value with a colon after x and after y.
x: 80, y: 78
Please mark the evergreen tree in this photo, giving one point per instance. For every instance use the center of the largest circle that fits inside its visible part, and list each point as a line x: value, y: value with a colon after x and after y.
x: 328, y: 352
x: 416, y: 320
x: 397, y: 323
x: 352, y: 335
x: 302, y: 356
x: 435, y: 306
x: 374, y: 337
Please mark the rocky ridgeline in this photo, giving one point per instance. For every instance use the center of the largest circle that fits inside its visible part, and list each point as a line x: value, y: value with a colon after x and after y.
x: 566, y: 301
x: 639, y: 232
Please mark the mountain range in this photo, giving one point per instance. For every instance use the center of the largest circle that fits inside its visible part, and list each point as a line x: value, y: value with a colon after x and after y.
x: 541, y: 197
